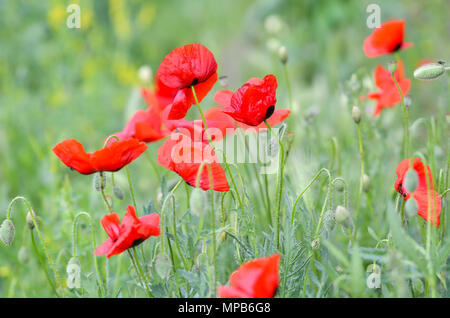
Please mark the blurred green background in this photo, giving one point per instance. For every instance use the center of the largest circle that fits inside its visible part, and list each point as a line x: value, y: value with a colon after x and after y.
x: 58, y: 83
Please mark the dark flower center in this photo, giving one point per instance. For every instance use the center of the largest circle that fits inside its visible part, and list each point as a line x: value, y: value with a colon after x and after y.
x: 397, y: 47
x: 137, y: 242
x: 195, y: 81
x: 400, y: 190
x: 269, y: 112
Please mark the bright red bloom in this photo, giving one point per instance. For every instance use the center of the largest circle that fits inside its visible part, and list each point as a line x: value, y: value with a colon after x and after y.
x: 130, y: 233
x: 427, y: 199
x: 255, y: 279
x: 186, y: 66
x: 386, y: 39
x: 113, y: 157
x: 253, y: 103
x: 388, y: 94
x: 218, y: 123
x: 161, y: 96
x: 144, y: 125
x: 181, y: 154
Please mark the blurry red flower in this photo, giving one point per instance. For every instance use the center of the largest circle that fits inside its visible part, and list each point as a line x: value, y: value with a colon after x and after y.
x: 255, y: 279
x: 386, y: 39
x: 253, y: 103
x: 424, y: 195
x: 160, y: 96
x: 144, y: 125
x: 388, y: 94
x: 130, y: 233
x: 113, y: 157
x: 186, y: 66
x: 181, y: 154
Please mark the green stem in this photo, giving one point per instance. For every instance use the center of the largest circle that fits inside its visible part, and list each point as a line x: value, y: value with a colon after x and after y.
x: 131, y: 188
x: 288, y: 84
x: 102, y: 191
x: 361, y: 154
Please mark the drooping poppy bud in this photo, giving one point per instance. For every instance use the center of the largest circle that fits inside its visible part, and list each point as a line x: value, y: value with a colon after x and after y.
x: 29, y: 219
x: 430, y: 71
x: 7, y: 232
x: 341, y: 214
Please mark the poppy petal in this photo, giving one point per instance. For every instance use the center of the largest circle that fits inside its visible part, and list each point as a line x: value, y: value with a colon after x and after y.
x: 73, y: 155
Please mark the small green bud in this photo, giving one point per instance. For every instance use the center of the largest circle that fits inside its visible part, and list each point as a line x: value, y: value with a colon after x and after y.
x: 118, y: 192
x: 328, y: 220
x: 339, y: 186
x: 7, y: 232
x: 29, y: 220
x: 392, y: 66
x: 411, y: 180
x: 341, y: 214
x: 366, y: 183
x: 97, y: 182
x: 356, y: 114
x: 430, y: 71
x: 23, y: 255
x: 418, y: 286
x: 315, y: 244
x: 196, y: 202
x: 283, y: 54
x: 411, y: 208
x: 163, y: 265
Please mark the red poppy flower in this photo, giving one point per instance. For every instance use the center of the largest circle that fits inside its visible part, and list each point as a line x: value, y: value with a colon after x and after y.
x: 253, y: 103
x: 426, y: 197
x: 111, y: 158
x: 388, y: 94
x: 255, y: 279
x: 161, y: 95
x: 130, y: 233
x: 144, y: 125
x: 181, y: 154
x: 223, y: 98
x: 186, y: 66
x: 218, y: 125
x: 386, y: 39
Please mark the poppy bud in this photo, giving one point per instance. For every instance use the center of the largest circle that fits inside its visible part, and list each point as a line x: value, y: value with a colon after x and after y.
x: 73, y: 271
x: 23, y: 255
x: 29, y: 220
x: 97, y: 182
x: 196, y: 202
x: 341, y: 214
x: 411, y: 208
x: 366, y: 183
x: 411, y: 180
x: 162, y: 265
x: 407, y: 100
x: 392, y: 66
x: 339, y: 186
x: 7, y: 232
x: 430, y: 71
x: 418, y: 286
x: 283, y: 54
x: 315, y: 244
x: 118, y: 192
x: 356, y: 114
x: 145, y: 74
x: 328, y: 220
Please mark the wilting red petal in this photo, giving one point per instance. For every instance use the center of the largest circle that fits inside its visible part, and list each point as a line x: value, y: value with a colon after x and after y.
x: 386, y: 39
x: 184, y: 156
x: 187, y: 65
x: 254, y: 102
x: 117, y: 155
x: 73, y: 155
x: 255, y: 279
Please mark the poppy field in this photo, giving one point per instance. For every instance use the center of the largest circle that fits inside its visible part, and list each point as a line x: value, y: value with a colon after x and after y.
x: 224, y: 149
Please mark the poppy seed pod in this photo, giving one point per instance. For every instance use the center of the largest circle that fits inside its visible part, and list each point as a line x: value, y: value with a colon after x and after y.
x: 283, y: 54
x: 29, y: 220
x: 341, y: 214
x: 7, y: 232
x: 356, y: 114
x: 118, y: 192
x: 366, y: 183
x: 430, y: 71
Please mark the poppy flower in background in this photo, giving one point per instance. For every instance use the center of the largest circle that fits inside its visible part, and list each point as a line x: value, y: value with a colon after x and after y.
x: 424, y: 195
x: 182, y: 155
x: 218, y: 125
x: 388, y: 94
x: 144, y: 125
x: 186, y: 66
x: 113, y: 157
x: 258, y: 278
x: 130, y: 233
x: 386, y: 39
x: 253, y: 103
x: 160, y: 96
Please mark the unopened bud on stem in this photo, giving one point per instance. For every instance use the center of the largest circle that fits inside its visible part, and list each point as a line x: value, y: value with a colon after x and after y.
x: 7, y: 232
x: 356, y: 114
x: 341, y: 214
x: 366, y: 183
x: 392, y: 66
x: 429, y: 72
x: 29, y: 220
x: 283, y: 54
